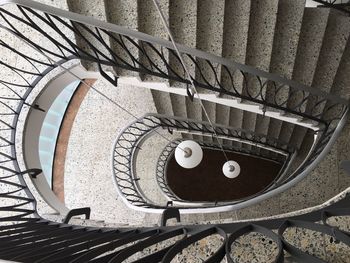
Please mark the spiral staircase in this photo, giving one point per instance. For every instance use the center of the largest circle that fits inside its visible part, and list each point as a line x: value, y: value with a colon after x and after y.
x: 273, y: 79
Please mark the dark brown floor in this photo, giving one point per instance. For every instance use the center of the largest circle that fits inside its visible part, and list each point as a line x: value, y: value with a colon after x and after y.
x: 206, y: 182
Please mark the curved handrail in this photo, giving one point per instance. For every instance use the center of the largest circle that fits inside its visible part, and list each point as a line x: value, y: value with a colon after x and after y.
x: 137, y: 131
x: 129, y: 140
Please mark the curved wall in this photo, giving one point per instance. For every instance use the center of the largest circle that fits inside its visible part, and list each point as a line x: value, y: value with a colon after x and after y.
x: 33, y: 124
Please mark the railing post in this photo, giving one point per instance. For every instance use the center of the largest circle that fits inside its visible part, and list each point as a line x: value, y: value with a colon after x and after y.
x: 170, y: 213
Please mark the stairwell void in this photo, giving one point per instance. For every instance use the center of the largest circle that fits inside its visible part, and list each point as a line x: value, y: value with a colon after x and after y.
x: 206, y: 182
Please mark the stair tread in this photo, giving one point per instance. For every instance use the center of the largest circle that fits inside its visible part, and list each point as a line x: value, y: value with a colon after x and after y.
x: 313, y: 27
x: 341, y: 82
x: 183, y: 25
x: 263, y: 17
x: 333, y: 46
x: 123, y: 13
x: 285, y: 46
x: 210, y: 22
x: 162, y: 102
x: 235, y: 38
x: 150, y: 22
x: 97, y: 12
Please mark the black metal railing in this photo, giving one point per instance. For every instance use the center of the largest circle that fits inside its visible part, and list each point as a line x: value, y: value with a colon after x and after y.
x: 20, y: 203
x: 39, y: 240
x: 26, y: 237
x: 342, y: 5
x: 323, y: 141
x: 130, y: 139
x: 110, y: 47
x: 161, y: 169
x: 169, y: 150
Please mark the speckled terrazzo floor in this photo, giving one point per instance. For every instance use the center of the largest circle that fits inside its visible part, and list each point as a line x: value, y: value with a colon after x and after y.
x: 88, y: 176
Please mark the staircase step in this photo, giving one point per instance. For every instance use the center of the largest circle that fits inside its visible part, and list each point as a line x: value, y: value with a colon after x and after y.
x: 194, y: 111
x: 236, y: 120
x: 97, y: 12
x: 274, y: 128
x: 313, y: 27
x: 281, y: 131
x: 286, y: 37
x: 222, y: 116
x: 123, y: 13
x: 248, y: 123
x: 236, y: 25
x: 162, y: 102
x: 298, y: 135
x: 210, y: 22
x: 262, y: 126
x: 341, y: 84
x: 263, y: 15
x: 333, y: 46
x: 210, y: 109
x: 150, y: 22
x: 178, y: 103
x: 286, y: 132
x: 285, y: 45
x: 262, y: 24
x: 183, y: 25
